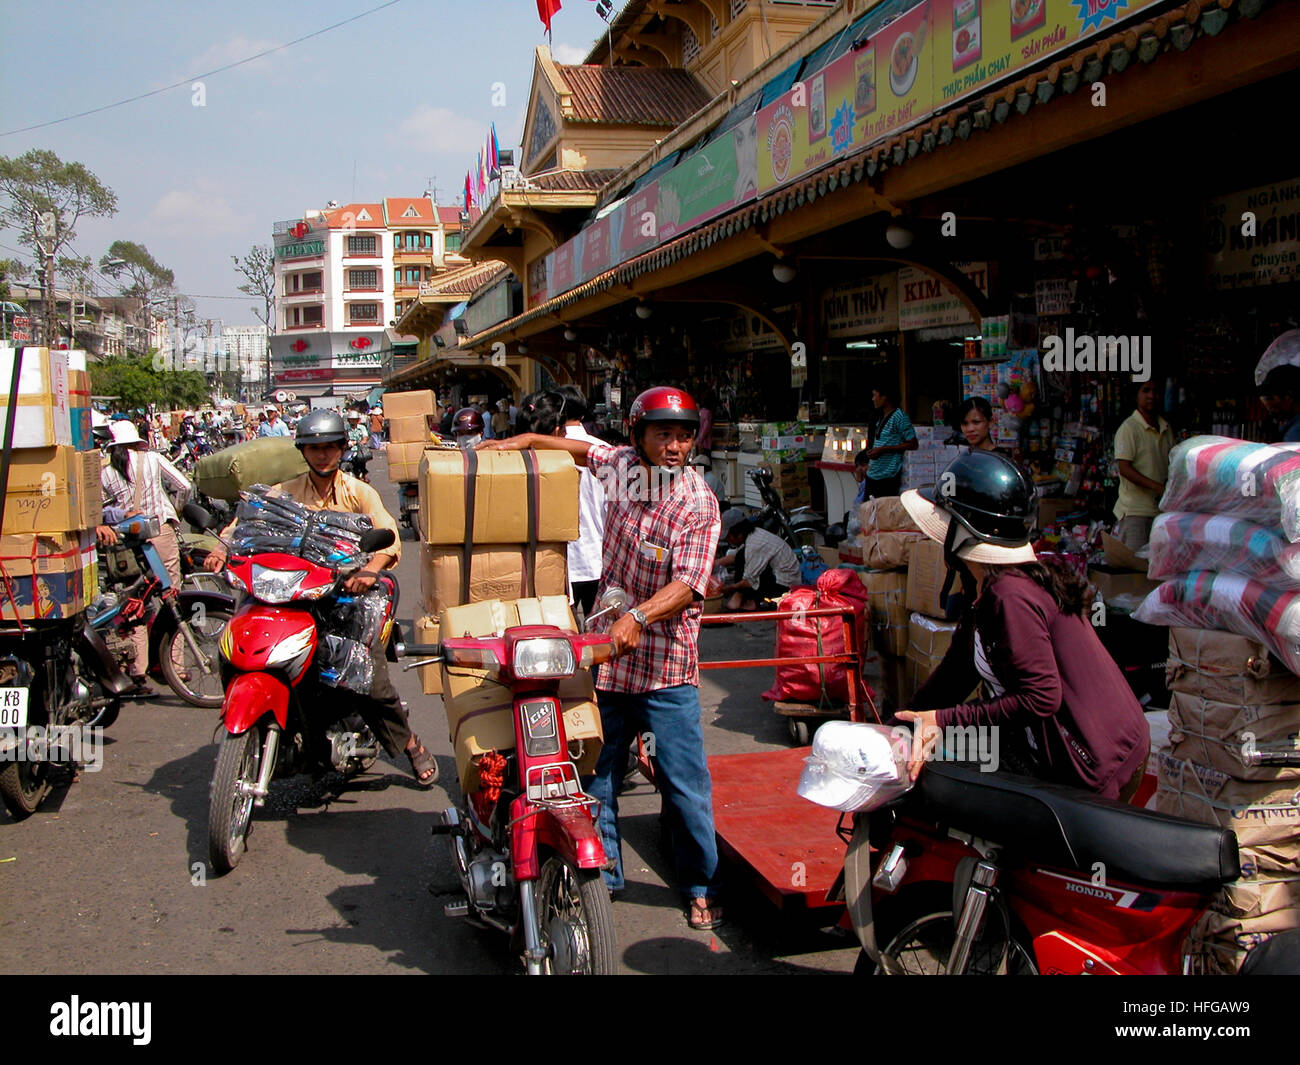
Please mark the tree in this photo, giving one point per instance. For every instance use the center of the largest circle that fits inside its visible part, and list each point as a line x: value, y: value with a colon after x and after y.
x: 258, y: 267
x: 133, y: 380
x: 43, y: 199
x: 145, y: 276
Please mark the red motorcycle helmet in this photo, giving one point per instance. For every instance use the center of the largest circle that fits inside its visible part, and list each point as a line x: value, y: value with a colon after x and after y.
x: 662, y: 404
x: 466, y: 421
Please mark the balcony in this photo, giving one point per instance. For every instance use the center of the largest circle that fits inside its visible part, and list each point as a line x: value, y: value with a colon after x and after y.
x: 304, y: 325
x: 313, y: 294
x: 413, y: 257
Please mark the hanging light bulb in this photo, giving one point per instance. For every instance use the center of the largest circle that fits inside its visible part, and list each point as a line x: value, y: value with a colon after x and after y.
x: 898, y: 236
x: 784, y: 272
x: 570, y: 334
x: 644, y: 311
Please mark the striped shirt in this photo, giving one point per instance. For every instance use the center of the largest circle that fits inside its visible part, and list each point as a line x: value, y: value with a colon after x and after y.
x: 148, y: 470
x: 656, y: 532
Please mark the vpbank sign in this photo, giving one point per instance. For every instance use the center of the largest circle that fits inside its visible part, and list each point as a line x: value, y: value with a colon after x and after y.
x: 77, y: 1018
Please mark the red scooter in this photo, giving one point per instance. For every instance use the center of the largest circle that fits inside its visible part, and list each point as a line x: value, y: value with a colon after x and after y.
x: 527, y: 844
x: 269, y: 647
x: 989, y: 873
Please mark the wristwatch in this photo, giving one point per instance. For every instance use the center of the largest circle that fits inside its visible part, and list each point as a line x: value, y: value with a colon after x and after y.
x: 638, y: 617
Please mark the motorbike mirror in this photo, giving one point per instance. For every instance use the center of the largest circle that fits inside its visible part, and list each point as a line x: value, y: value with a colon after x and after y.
x: 376, y: 539
x: 198, y: 517
x: 613, y: 601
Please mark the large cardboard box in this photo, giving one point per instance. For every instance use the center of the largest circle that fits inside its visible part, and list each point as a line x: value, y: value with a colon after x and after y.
x: 1222, y: 736
x: 1218, y: 944
x: 79, y: 403
x: 885, y: 514
x: 496, y: 572
x: 1111, y: 581
x: 928, y: 640
x: 44, y: 415
x: 404, y: 461
x: 411, y: 430
x: 926, y: 572
x: 889, y: 550
x: 53, y: 490
x: 503, y: 496
x: 1228, y: 668
x: 478, y: 709
x: 426, y: 631
x: 405, y: 404
x: 886, y: 592
x: 48, y: 575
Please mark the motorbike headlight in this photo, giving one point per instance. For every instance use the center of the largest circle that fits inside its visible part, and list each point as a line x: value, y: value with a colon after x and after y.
x: 535, y: 659
x: 276, y: 585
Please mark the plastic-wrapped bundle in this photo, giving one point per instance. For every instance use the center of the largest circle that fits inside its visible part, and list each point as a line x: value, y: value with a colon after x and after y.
x: 1220, y: 475
x: 346, y: 664
x: 1224, y: 543
x: 353, y: 624
x: 1231, y: 603
x: 269, y: 520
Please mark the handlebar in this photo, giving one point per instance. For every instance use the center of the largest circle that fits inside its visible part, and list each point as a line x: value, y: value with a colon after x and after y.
x: 408, y: 650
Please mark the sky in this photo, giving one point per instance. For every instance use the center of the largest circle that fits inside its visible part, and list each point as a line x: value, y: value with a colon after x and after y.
x: 386, y: 105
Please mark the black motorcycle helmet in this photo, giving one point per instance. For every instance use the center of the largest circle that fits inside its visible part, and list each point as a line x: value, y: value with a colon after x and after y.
x: 989, y: 495
x: 320, y: 427
x: 467, y: 422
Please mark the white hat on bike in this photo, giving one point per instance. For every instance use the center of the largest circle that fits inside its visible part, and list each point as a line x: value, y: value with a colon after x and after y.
x: 125, y: 432
x: 855, y: 766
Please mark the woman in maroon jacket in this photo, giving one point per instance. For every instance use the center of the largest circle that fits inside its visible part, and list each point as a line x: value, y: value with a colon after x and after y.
x: 1062, y: 710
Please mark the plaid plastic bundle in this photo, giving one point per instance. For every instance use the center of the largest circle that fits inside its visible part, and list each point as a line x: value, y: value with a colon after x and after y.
x: 1224, y: 543
x: 1219, y: 475
x: 1231, y: 603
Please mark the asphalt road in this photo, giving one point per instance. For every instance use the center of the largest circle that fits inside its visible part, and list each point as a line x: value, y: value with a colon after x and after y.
x: 109, y: 876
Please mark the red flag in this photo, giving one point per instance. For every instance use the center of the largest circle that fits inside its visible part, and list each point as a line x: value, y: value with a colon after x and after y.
x: 469, y: 195
x: 545, y: 10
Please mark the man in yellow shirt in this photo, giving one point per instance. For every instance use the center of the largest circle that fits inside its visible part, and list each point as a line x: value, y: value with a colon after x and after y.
x: 322, y: 439
x: 1142, y: 447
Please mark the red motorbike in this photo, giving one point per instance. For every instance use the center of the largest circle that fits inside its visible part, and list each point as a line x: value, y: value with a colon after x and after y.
x: 275, y: 724
x: 989, y: 873
x: 526, y: 844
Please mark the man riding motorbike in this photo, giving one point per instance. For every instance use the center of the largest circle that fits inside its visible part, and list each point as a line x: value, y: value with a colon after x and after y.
x: 322, y: 439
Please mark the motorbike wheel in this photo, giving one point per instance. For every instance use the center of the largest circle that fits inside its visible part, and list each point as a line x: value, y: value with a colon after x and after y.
x: 23, y: 786
x: 576, y: 920
x: 924, y: 939
x: 107, y: 715
x: 230, y: 812
x: 184, y: 673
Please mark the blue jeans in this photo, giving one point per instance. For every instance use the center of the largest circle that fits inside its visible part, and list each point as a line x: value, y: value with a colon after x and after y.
x: 672, y: 716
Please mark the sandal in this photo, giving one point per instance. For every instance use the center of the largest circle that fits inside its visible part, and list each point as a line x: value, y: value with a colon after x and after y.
x: 703, y: 915
x: 423, y: 766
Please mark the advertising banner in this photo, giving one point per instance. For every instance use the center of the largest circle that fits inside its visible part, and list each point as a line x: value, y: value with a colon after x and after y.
x: 715, y: 179
x: 861, y: 308
x: 925, y: 301
x: 1253, y: 237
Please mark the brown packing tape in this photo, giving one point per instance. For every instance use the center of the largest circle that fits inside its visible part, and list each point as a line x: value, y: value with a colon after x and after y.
x: 496, y: 572
x: 500, y: 498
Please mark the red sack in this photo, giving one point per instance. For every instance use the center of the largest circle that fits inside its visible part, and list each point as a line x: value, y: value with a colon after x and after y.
x: 806, y: 637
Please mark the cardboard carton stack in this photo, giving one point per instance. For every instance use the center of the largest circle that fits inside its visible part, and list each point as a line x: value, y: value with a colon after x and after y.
x: 784, y: 446
x: 884, y: 546
x: 500, y: 534
x: 411, y: 429
x: 478, y: 708
x: 53, y: 500
x: 923, y: 466
x: 929, y: 633
x: 1232, y: 701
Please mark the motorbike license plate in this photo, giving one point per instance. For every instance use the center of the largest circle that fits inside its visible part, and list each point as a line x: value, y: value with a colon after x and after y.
x: 13, y: 707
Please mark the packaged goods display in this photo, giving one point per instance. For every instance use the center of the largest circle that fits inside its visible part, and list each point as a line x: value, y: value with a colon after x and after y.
x: 1181, y: 542
x: 269, y: 520
x: 1236, y: 604
x: 1219, y: 475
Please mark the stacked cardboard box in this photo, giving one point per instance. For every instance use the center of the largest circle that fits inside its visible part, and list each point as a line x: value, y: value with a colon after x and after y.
x: 478, y: 708
x: 929, y: 633
x: 790, y: 481
x: 1231, y: 703
x: 52, y: 498
x: 923, y: 466
x: 783, y: 442
x: 411, y: 429
x: 497, y: 554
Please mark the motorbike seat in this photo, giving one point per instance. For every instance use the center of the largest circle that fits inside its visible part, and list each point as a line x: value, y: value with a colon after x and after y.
x: 1067, y: 827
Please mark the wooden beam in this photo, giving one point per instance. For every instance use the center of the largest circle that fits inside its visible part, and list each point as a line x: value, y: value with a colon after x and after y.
x: 650, y: 49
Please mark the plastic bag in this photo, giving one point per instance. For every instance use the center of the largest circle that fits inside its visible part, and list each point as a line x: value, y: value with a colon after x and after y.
x: 1220, y: 475
x: 270, y: 520
x: 805, y: 637
x: 353, y: 625
x: 345, y: 663
x: 1223, y: 543
x: 855, y: 766
x: 1230, y: 603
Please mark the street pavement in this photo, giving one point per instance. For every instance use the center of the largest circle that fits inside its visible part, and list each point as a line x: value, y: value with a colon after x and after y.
x: 110, y: 877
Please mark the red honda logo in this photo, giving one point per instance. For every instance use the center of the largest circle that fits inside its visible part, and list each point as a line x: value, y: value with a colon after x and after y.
x: 299, y: 231
x: 361, y: 343
x: 299, y: 345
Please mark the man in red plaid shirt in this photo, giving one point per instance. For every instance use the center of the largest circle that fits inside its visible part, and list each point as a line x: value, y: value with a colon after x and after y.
x: 661, y: 534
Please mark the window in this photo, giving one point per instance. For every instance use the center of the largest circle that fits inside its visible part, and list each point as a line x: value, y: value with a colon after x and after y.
x: 428, y: 240
x: 397, y: 278
x: 413, y: 275
x: 453, y: 242
x: 302, y: 316
x: 313, y: 315
x: 312, y: 281
x: 361, y: 246
x: 363, y: 312
x: 363, y: 278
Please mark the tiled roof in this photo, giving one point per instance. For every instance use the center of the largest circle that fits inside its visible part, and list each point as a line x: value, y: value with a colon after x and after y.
x: 640, y: 96
x: 573, y: 180
x: 397, y: 207
x: 1168, y: 32
x: 464, y: 280
x: 357, y: 215
x: 450, y: 216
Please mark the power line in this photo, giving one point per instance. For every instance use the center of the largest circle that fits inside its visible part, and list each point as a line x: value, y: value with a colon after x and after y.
x: 196, y: 77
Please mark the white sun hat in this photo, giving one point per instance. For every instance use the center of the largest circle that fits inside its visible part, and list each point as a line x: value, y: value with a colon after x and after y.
x: 125, y: 432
